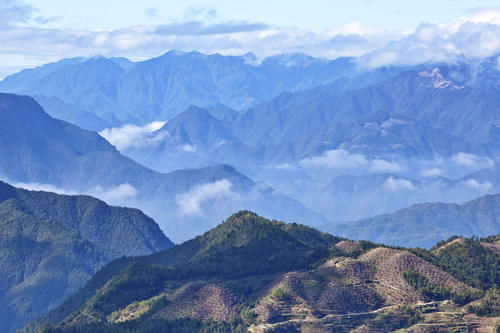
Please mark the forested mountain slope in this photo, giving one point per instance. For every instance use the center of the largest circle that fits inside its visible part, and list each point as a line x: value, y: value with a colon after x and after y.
x: 50, y: 245
x: 250, y: 272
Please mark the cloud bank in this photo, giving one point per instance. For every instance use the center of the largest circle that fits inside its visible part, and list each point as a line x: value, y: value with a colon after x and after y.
x: 129, y: 135
x: 398, y: 184
x: 42, y: 187
x: 190, y: 203
x: 109, y: 194
x: 469, y: 37
x: 342, y: 159
x: 114, y: 194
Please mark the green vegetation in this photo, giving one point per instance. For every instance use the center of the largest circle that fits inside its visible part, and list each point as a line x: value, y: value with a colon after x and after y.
x: 424, y: 286
x: 245, y: 245
x: 489, y: 305
x: 228, y: 272
x: 52, y: 244
x: 401, y: 317
x: 281, y: 295
x: 248, y: 316
x: 360, y: 248
x: 185, y: 325
x: 138, y: 281
x: 444, y: 242
x: 432, y: 292
x: 74, y: 302
x: 470, y: 262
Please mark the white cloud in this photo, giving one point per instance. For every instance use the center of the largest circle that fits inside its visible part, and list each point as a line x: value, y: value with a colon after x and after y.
x: 486, y: 15
x: 470, y: 37
x: 120, y: 192
x: 188, y: 148
x: 43, y: 187
x: 431, y: 173
x: 398, y: 184
x: 189, y: 203
x: 483, y: 187
x: 455, y: 166
x: 385, y: 166
x: 12, y: 11
x: 129, y: 135
x: 463, y: 38
x: 283, y: 166
x: 336, y: 159
x: 355, y: 28
x: 471, y: 161
x: 109, y: 194
x: 343, y: 159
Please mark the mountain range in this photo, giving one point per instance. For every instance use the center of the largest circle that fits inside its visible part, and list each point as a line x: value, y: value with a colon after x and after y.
x: 38, y: 151
x: 333, y: 141
x: 410, y: 115
x: 50, y: 245
x: 250, y: 273
x: 425, y: 224
x: 415, y: 136
x: 404, y: 111
x: 118, y: 90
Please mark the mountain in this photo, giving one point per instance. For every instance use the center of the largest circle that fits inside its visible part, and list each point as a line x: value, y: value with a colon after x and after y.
x: 424, y: 224
x: 37, y: 150
x: 404, y: 123
x: 413, y: 114
x: 50, y: 245
x: 294, y: 106
x: 194, y: 138
x: 88, y: 84
x: 265, y: 245
x: 353, y: 197
x: 488, y: 177
x: 349, y: 197
x: 72, y: 114
x: 267, y: 276
x: 162, y: 87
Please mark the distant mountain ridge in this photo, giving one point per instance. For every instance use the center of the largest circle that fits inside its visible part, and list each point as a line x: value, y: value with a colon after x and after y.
x: 412, y: 114
x: 35, y: 148
x: 50, y: 245
x: 424, y: 224
x: 160, y: 88
x: 405, y: 111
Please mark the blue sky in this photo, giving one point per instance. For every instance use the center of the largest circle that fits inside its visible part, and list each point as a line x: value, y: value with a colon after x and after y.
x: 316, y: 15
x: 377, y: 32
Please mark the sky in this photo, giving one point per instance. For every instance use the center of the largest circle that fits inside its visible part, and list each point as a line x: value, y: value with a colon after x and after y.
x: 378, y: 32
x: 315, y: 15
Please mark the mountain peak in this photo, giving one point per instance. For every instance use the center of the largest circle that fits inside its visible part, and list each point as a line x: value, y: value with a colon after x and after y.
x: 246, y: 228
x: 193, y: 109
x: 191, y: 114
x: 437, y: 80
x: 246, y: 234
x: 293, y: 59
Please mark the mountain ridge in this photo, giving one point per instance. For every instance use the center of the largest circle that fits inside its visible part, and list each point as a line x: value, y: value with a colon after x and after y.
x: 333, y: 284
x: 52, y: 244
x: 438, y: 221
x: 36, y: 148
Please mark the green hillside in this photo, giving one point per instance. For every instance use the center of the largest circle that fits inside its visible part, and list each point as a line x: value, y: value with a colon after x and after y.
x: 250, y: 273
x: 50, y: 245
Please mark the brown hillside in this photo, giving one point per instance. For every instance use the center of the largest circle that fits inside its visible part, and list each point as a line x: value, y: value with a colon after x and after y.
x: 390, y: 264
